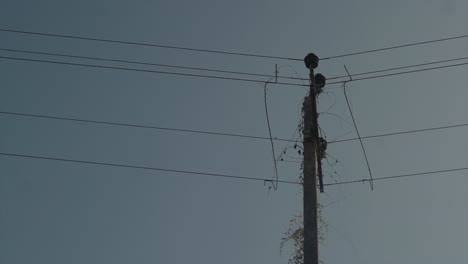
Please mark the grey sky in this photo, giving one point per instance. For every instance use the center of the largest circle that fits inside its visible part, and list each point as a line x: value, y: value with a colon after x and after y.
x: 53, y: 212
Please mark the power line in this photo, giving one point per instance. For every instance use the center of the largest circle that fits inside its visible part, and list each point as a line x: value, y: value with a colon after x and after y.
x: 396, y: 176
x: 216, y: 174
x: 401, y: 133
x: 145, y: 63
x: 399, y: 68
x: 394, y: 47
x: 224, y: 52
x: 400, y: 73
x: 148, y: 44
x: 61, y: 118
x: 222, y: 71
x: 142, y: 167
x: 143, y: 70
x: 389, y: 70
x: 227, y: 78
x: 140, y: 126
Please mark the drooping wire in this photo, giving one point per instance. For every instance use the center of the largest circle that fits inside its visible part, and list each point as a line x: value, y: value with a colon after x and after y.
x: 146, y: 44
x: 394, y: 47
x: 223, y: 71
x: 120, y: 165
x: 67, y: 36
x: 139, y: 126
x: 275, y: 165
x: 394, y: 69
x: 400, y: 133
x: 140, y: 167
x: 275, y: 187
x: 399, y: 73
x: 144, y: 63
x: 299, y: 126
x: 291, y: 140
x: 399, y: 68
x: 288, y: 145
x: 226, y: 78
x: 357, y: 131
x: 397, y: 176
x: 143, y: 70
x: 298, y: 149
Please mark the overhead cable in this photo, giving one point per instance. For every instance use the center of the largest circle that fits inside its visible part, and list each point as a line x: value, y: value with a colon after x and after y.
x: 401, y: 73
x: 69, y: 36
x: 143, y: 70
x: 145, y: 44
x: 144, y: 63
x: 120, y: 165
x: 394, y: 47
x: 89, y: 162
x: 399, y: 68
x: 81, y: 120
x: 396, y: 176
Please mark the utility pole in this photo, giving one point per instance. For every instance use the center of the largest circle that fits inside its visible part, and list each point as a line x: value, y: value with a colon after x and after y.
x: 312, y: 157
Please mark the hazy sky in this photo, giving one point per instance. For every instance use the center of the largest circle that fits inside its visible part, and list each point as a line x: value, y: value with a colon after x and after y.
x: 56, y: 212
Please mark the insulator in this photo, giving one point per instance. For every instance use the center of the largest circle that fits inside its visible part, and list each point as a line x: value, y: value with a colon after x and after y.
x: 320, y: 81
x: 311, y: 61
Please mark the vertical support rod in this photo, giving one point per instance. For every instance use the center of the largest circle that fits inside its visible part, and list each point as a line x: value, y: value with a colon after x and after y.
x: 316, y: 131
x: 310, y: 177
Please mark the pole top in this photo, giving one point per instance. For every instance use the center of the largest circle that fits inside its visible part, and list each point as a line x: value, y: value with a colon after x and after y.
x: 311, y: 61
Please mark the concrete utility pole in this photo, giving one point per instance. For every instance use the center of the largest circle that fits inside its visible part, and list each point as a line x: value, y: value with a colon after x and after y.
x: 311, y: 156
